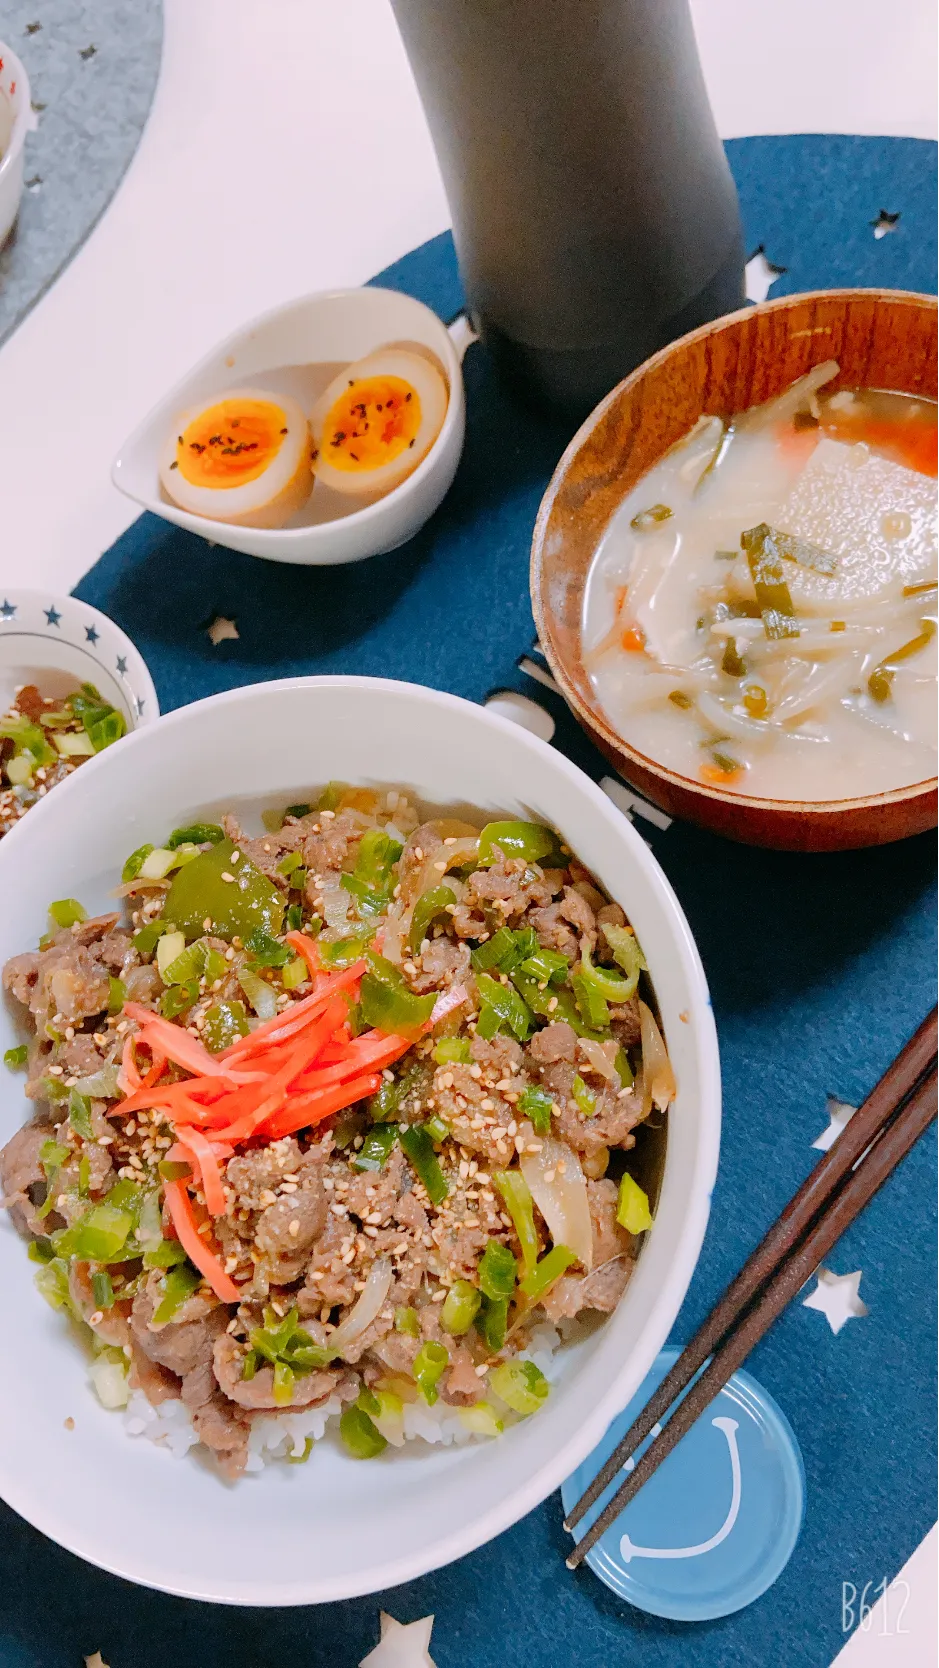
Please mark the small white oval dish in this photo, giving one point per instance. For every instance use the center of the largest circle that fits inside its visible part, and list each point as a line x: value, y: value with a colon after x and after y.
x: 337, y: 1526
x: 297, y: 350
x: 60, y: 642
x: 16, y: 120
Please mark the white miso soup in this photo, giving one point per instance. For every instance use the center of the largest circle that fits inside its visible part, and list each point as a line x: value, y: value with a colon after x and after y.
x: 761, y: 611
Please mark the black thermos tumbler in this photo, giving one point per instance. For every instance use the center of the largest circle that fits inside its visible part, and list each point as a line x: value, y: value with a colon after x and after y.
x: 594, y: 213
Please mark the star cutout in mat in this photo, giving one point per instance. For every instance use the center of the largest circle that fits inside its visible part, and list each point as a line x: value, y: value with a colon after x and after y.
x: 52, y: 615
x: 760, y: 275
x: 91, y: 634
x: 885, y: 223
x: 221, y: 630
x: 401, y: 1646
x: 836, y: 1295
x: 839, y: 1111
x: 122, y: 665
x: 7, y: 610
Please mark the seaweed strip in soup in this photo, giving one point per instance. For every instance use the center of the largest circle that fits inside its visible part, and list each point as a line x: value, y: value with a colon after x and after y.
x: 761, y: 612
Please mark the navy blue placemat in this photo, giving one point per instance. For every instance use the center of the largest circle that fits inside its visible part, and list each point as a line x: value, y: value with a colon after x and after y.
x: 819, y: 968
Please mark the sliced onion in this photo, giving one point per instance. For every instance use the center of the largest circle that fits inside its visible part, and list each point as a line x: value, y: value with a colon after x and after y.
x: 599, y: 1059
x: 446, y: 1002
x: 377, y: 1287
x: 394, y: 935
x: 336, y: 901
x: 562, y: 1200
x: 658, y: 1079
x: 260, y: 994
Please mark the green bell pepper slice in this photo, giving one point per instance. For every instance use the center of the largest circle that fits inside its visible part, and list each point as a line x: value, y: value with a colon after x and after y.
x: 429, y: 907
x: 386, y: 1002
x: 102, y: 1233
x: 529, y: 840
x: 224, y: 1023
x: 506, y: 1003
x: 196, y: 834
x: 537, y: 1104
x: 518, y: 1202
x: 418, y: 1148
x: 627, y: 953
x: 376, y: 1148
x: 632, y: 1210
x: 552, y: 1265
x: 236, y: 907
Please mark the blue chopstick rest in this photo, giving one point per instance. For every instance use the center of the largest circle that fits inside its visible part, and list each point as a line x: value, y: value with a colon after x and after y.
x: 717, y: 1523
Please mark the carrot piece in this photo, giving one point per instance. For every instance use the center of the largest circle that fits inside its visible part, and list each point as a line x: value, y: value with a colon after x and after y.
x: 173, y: 1042
x: 305, y: 946
x: 303, y: 1111
x: 634, y: 639
x: 373, y: 1058
x: 128, y: 1078
x: 293, y: 1019
x: 720, y: 778
x: 183, y: 1218
x: 204, y: 1157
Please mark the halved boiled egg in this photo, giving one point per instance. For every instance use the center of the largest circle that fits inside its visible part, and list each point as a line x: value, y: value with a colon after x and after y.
x: 243, y: 456
x: 377, y: 420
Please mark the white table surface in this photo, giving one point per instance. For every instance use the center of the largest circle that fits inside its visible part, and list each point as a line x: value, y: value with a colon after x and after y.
x: 183, y: 255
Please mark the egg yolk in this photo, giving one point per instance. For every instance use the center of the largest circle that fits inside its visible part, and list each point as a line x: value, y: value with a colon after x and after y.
x: 231, y: 443
x: 373, y: 422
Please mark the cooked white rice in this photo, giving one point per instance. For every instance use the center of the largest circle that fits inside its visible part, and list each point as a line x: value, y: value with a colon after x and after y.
x: 279, y: 1436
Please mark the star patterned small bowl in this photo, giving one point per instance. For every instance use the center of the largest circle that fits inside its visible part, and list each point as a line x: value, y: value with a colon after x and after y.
x: 58, y: 642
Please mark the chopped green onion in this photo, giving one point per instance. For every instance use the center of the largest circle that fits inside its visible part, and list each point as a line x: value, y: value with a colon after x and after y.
x: 430, y: 1362
x: 295, y: 974
x: 429, y: 907
x: 51, y: 1282
x: 135, y: 863
x: 537, y: 1105
x: 499, y: 951
x: 148, y: 937
x: 623, y: 1068
x: 407, y: 1321
x: 497, y: 1271
x: 102, y: 1234
x: 547, y: 966
x: 158, y: 863
x: 492, y: 1321
x: 552, y: 1265
x: 529, y: 840
x: 449, y: 1051
x: 74, y: 747
x: 437, y: 1129
x: 197, y: 834
x: 518, y: 1202
x: 176, y: 999
x: 520, y: 1384
x: 376, y: 1148
x: 632, y: 1210
x: 168, y: 1254
x: 102, y: 1290
x: 291, y: 860
x: 481, y: 1419
x: 460, y: 1307
x: 16, y: 1057
x: 79, y: 1115
x: 584, y: 1099
x: 267, y: 951
x: 117, y: 994
x: 40, y: 1250
x: 67, y: 912
x: 553, y: 1005
x: 298, y: 811
x: 284, y: 1381
x: 169, y: 949
x: 295, y: 918
x: 328, y: 800
x: 418, y: 1147
x: 362, y: 1438
x: 304, y: 1454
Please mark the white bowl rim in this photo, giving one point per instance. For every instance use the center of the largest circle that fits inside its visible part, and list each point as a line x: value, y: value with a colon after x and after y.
x: 24, y: 120
x: 319, y: 532
x: 547, y: 1477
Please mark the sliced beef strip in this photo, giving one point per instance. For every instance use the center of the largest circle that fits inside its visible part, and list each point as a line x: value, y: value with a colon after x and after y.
x: 258, y: 1392
x: 266, y: 851
x: 377, y: 1191
x: 460, y: 1386
x: 601, y: 1289
x: 510, y: 887
x: 262, y: 1171
x: 336, y: 1282
x: 332, y: 847
x: 180, y: 1345
x: 442, y: 964
x: 555, y: 1042
x: 219, y: 1424
x: 293, y: 1222
x: 22, y: 1178
x: 611, y: 1125
x: 554, y: 932
x: 157, y: 1383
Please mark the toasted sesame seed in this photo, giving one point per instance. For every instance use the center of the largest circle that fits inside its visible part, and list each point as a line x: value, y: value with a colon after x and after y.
x: 293, y: 1228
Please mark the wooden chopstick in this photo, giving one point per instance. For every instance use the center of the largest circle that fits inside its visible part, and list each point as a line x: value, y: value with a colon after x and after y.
x: 910, y: 1084
x: 820, y: 1184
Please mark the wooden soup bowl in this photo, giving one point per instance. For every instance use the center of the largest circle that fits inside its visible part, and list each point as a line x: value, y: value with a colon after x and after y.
x: 881, y: 339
